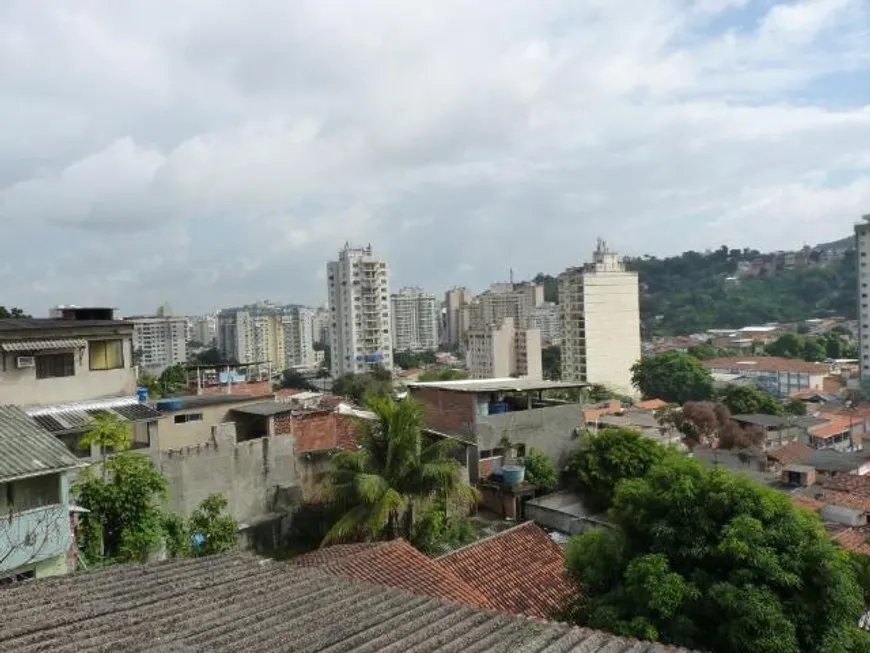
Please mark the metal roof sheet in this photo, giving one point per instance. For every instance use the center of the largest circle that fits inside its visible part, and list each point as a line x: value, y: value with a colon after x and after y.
x: 236, y: 602
x: 27, y: 449
x: 42, y: 345
x: 509, y: 384
x: 64, y: 418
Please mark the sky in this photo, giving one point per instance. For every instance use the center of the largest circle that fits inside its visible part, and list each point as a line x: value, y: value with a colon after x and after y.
x: 213, y: 153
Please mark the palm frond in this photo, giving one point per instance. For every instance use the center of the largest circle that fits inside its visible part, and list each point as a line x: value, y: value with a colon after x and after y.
x: 349, y: 524
x: 379, y: 515
x: 370, y: 487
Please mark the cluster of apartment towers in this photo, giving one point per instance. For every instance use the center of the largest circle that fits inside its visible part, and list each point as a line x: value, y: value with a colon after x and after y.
x: 500, y: 332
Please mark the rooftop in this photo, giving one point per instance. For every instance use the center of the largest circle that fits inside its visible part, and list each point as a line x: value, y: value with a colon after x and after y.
x: 35, y: 324
x: 778, y: 421
x: 266, y: 408
x: 766, y: 364
x: 831, y: 460
x: 237, y: 602
x: 26, y: 449
x: 520, y: 570
x: 69, y: 418
x: 204, y: 401
x: 792, y: 453
x: 495, y: 385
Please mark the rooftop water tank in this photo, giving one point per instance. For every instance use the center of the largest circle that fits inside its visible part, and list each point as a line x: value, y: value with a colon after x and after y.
x: 513, y: 474
x: 170, y: 404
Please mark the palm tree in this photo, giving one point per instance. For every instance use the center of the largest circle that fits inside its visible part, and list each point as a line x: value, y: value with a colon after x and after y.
x: 380, y: 487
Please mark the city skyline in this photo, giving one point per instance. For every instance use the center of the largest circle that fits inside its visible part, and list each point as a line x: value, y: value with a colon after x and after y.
x: 209, y: 154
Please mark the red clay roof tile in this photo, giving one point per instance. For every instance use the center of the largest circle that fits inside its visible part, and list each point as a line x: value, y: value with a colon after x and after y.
x: 792, y: 453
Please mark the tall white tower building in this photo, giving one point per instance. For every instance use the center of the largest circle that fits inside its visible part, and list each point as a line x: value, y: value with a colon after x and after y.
x: 414, y: 320
x: 862, y: 249
x: 159, y: 341
x: 299, y: 337
x: 600, y: 310
x: 359, y: 306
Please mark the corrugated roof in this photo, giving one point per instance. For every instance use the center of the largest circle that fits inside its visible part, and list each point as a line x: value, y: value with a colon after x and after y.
x: 26, y: 449
x: 266, y: 408
x: 42, y: 345
x: 237, y: 602
x: 509, y: 384
x: 766, y: 364
x: 66, y: 418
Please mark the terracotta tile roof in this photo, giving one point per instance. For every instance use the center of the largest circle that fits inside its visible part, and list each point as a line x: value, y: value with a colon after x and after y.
x: 793, y: 452
x: 520, y: 570
x: 767, y: 364
x: 851, y: 483
x: 394, y: 564
x: 853, y: 539
x: 846, y: 500
x: 835, y: 425
x: 652, y: 404
x: 809, y: 503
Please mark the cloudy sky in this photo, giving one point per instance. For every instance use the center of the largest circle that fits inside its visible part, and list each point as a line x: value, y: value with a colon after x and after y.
x: 215, y: 152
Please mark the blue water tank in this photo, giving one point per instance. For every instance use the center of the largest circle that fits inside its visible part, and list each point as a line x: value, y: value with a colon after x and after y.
x: 170, y: 404
x: 513, y: 474
x: 141, y: 394
x: 497, y: 407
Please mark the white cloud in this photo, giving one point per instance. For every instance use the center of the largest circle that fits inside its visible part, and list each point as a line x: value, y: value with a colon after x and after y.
x: 222, y: 152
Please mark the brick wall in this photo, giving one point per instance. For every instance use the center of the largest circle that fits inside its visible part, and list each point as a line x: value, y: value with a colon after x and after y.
x: 450, y: 412
x: 318, y: 430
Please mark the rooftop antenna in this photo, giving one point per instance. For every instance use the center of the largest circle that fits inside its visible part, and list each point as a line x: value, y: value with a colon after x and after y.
x: 512, y: 276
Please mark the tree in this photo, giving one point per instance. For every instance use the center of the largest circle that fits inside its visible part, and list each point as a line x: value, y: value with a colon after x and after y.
x: 124, y: 522
x: 11, y: 313
x: 208, y: 530
x: 173, y: 380
x: 673, y: 376
x: 699, y: 422
x: 703, y: 351
x: 709, y: 559
x: 294, y: 379
x: 597, y: 393
x: 795, y: 407
x: 108, y: 432
x: 540, y: 470
x: 747, y: 400
x: 443, y: 375
x: 211, y: 356
x: 380, y: 488
x: 409, y: 359
x: 359, y: 386
x: 551, y: 362
x: 604, y: 459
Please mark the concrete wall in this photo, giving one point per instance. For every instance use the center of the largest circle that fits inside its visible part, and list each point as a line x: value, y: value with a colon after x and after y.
x: 550, y: 430
x: 562, y: 511
x: 20, y: 386
x: 188, y: 434
x: 37, y: 538
x: 247, y: 473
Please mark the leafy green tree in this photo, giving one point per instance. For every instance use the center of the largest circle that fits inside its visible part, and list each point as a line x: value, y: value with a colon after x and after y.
x: 173, y: 380
x: 673, y: 376
x: 443, y: 375
x: 597, y: 393
x: 294, y: 379
x: 437, y: 531
x: 209, y: 530
x: 788, y: 345
x: 540, y: 470
x: 150, y: 383
x: 124, y: 522
x: 604, y: 459
x: 704, y: 351
x: 795, y: 407
x: 211, y: 356
x: 409, y: 359
x: 710, y: 560
x: 379, y: 488
x: 11, y: 313
x: 746, y: 399
x: 551, y: 362
x: 107, y: 431
x: 359, y: 386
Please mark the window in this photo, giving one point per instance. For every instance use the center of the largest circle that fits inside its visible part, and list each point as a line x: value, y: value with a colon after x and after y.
x: 30, y: 493
x: 106, y: 354
x: 188, y: 417
x: 49, y: 366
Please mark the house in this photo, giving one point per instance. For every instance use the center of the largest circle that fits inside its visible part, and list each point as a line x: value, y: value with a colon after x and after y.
x: 66, y: 369
x: 489, y: 412
x: 779, y: 377
x: 780, y: 429
x: 189, y: 420
x: 789, y: 454
x: 838, y: 432
x: 238, y: 602
x: 518, y: 571
x: 35, y: 530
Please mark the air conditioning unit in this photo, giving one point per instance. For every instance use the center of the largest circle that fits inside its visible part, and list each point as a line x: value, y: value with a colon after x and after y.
x: 25, y: 361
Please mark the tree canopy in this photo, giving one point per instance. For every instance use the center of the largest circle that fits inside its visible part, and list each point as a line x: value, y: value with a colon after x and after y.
x: 12, y: 312
x: 813, y: 348
x: 551, y: 362
x: 673, y: 376
x: 540, y: 470
x: 296, y: 380
x: 443, y: 375
x: 359, y: 386
x: 410, y: 359
x: 747, y: 399
x: 209, y: 530
x: 383, y: 489
x: 709, y: 559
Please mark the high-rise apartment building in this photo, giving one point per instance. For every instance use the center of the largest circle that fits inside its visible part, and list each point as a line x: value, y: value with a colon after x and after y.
x: 251, y: 336
x: 299, y: 337
x: 204, y: 330
x: 321, y: 325
x: 600, y: 310
x: 159, y: 341
x: 500, y: 351
x: 456, y: 316
x: 862, y: 249
x: 546, y: 319
x: 513, y: 300
x: 414, y: 320
x: 359, y: 306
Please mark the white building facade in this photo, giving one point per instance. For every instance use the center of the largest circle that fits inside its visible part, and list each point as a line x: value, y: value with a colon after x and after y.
x: 546, y: 319
x: 414, y: 315
x: 159, y: 341
x: 359, y: 305
x: 456, y: 317
x: 501, y: 351
x: 600, y: 314
x: 862, y: 248
x: 204, y: 330
x: 299, y: 336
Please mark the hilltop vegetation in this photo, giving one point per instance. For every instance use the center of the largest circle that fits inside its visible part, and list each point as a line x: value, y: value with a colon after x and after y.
x: 690, y: 292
